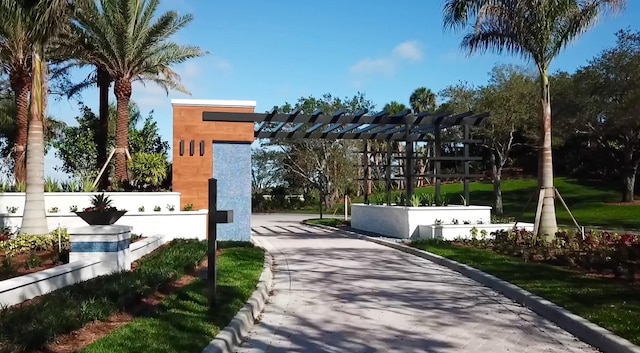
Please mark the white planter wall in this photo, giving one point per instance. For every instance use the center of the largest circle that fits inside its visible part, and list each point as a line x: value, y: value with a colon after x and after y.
x: 176, y: 224
x: 18, y: 289
x: 463, y: 231
x: 64, y: 200
x: 403, y: 222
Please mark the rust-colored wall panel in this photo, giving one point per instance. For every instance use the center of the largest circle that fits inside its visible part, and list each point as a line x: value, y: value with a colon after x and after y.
x: 191, y: 173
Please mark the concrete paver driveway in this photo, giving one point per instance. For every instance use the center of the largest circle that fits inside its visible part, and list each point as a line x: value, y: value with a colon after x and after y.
x: 336, y: 294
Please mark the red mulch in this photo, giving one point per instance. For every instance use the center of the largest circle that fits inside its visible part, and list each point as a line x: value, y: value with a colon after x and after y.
x: 20, y: 264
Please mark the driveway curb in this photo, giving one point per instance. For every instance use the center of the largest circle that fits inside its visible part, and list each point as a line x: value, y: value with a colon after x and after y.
x: 230, y: 337
x: 585, y: 330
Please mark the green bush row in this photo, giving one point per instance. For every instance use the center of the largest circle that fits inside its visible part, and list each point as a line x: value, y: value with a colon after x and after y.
x: 32, y: 326
x: 25, y: 243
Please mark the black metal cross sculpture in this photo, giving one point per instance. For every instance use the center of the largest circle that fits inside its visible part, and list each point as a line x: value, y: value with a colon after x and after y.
x: 215, y: 217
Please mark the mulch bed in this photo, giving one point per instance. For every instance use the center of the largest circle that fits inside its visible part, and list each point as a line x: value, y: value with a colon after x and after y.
x: 635, y: 284
x: 92, y: 332
x: 20, y: 261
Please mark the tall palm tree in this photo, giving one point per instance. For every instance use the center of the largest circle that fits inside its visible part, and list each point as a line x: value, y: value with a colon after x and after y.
x: 132, y: 44
x: 15, y: 60
x: 536, y: 30
x: 422, y: 100
x: 47, y: 19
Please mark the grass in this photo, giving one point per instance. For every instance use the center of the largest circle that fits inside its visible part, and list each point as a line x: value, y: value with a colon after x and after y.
x: 26, y: 328
x: 184, y: 323
x: 608, y: 303
x: 588, y: 202
x: 331, y: 222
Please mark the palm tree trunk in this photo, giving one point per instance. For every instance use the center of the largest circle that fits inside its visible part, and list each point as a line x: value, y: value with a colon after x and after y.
x: 496, y: 175
x: 547, y: 224
x: 20, y: 85
x: 122, y: 90
x: 34, y: 219
x: 102, y: 135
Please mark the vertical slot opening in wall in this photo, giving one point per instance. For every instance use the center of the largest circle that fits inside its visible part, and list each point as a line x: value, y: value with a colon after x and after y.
x: 181, y: 147
x: 201, y: 148
x: 192, y: 147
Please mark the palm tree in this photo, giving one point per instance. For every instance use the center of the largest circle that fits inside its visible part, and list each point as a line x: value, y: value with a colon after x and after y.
x: 536, y: 30
x: 129, y: 45
x: 49, y: 18
x: 422, y: 100
x: 15, y: 60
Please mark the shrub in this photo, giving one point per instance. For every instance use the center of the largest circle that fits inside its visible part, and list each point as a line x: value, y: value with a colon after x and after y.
x: 188, y: 207
x: 27, y: 243
x: 30, y: 327
x: 148, y: 170
x: 52, y: 185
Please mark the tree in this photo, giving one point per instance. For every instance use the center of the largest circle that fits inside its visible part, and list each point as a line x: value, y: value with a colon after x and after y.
x: 611, y: 118
x: 326, y: 165
x: 264, y: 170
x: 536, y: 30
x: 76, y: 145
x: 15, y: 60
x: 422, y: 100
x: 136, y: 47
x: 47, y: 19
x: 510, y: 97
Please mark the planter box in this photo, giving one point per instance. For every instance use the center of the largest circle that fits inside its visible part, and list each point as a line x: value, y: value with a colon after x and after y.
x: 176, y: 224
x: 463, y: 231
x: 107, y: 243
x: 129, y: 201
x: 403, y: 222
x: 18, y: 289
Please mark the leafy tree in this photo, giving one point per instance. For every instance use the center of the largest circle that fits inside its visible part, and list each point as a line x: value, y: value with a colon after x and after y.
x: 510, y: 97
x: 136, y: 47
x: 76, y: 146
x: 264, y: 170
x: 536, y: 30
x: 326, y: 165
x: 611, y: 118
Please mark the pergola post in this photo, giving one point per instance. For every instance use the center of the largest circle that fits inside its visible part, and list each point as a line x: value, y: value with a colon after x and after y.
x: 409, y: 170
x: 366, y: 171
x: 437, y: 152
x: 467, y: 163
x: 388, y: 172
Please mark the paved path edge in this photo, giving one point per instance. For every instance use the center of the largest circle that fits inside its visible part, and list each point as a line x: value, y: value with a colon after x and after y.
x: 230, y: 337
x: 585, y: 330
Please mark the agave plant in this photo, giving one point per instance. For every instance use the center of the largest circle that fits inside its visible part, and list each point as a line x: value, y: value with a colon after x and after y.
x: 100, y: 203
x: 415, y: 200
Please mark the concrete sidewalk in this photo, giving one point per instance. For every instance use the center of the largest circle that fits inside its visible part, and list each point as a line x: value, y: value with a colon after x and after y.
x: 336, y: 294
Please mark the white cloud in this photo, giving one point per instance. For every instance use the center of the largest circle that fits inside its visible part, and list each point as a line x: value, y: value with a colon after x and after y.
x: 409, y: 51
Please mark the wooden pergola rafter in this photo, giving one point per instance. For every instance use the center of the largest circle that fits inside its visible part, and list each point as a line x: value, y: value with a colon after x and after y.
x: 404, y: 126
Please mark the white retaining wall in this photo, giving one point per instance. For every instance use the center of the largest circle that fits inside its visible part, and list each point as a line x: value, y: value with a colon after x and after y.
x: 177, y: 224
x: 403, y: 222
x: 64, y: 200
x: 18, y: 289
x: 463, y: 231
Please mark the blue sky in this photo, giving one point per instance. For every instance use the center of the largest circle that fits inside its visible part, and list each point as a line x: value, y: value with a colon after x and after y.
x: 277, y: 51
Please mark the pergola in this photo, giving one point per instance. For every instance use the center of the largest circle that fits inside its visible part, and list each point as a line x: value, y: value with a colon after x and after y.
x: 405, y: 126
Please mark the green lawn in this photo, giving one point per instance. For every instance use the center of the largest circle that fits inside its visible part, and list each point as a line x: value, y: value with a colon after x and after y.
x: 587, y: 202
x: 612, y: 305
x: 331, y: 222
x: 183, y: 323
